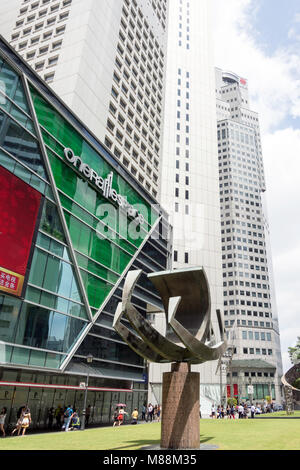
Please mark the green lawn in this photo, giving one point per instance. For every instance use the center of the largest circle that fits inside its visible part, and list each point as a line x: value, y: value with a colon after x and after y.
x: 248, y: 434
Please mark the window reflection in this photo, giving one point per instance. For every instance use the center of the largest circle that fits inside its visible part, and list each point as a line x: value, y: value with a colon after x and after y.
x: 41, y: 328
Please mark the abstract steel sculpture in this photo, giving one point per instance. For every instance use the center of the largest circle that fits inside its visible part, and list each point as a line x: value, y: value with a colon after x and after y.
x: 189, y: 340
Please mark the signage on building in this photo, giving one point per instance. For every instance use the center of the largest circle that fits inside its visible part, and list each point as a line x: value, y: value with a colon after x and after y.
x: 104, y: 185
x: 19, y: 208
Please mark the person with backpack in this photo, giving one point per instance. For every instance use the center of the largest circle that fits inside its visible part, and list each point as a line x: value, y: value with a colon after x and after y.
x: 67, y: 418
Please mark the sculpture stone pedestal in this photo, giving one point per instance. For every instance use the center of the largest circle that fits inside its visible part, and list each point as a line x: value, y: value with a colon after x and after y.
x: 180, y: 424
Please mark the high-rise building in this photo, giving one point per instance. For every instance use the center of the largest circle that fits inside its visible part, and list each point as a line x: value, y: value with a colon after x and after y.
x: 106, y: 60
x: 189, y: 175
x: 249, y: 297
x: 73, y: 222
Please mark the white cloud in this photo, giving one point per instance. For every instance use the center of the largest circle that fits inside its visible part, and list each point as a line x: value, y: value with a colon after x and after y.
x: 275, y: 94
x: 273, y: 86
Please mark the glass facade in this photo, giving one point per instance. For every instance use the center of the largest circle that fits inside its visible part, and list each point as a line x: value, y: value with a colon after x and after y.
x: 93, y: 223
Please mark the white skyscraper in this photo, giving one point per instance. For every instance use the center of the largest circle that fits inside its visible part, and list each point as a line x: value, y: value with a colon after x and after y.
x: 140, y: 75
x: 249, y: 299
x: 190, y: 178
x: 106, y: 60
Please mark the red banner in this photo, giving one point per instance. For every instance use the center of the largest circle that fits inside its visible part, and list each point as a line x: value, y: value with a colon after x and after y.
x: 235, y: 390
x: 19, y: 208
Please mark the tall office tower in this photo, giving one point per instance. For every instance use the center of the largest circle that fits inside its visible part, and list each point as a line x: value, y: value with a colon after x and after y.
x: 249, y: 299
x: 190, y: 178
x: 106, y: 60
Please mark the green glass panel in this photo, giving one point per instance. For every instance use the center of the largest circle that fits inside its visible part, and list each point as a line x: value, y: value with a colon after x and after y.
x: 6, y: 161
x: 43, y: 241
x: 96, y: 289
x: 10, y: 79
x: 22, y: 173
x: 33, y: 294
x: 5, y: 353
x: 9, y: 310
x: 50, y: 221
x: 4, y: 101
x: 48, y: 300
x: 20, y: 356
x: 71, y: 206
x: 37, y: 358
x: 20, y: 97
x: 38, y: 184
x: 21, y: 144
x: 53, y: 361
x: 38, y: 267
x: 96, y: 268
x: 18, y: 115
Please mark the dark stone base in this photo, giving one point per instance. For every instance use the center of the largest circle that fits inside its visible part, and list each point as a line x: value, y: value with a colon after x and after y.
x: 180, y: 424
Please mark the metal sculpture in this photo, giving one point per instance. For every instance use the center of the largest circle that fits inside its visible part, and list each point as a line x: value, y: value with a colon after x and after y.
x: 186, y: 299
x: 189, y: 340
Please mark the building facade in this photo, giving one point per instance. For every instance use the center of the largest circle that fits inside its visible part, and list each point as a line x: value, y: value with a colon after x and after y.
x: 190, y: 177
x: 112, y: 53
x: 249, y: 297
x: 73, y: 222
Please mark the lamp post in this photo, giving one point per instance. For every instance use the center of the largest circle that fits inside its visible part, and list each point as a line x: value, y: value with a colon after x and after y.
x: 89, y: 360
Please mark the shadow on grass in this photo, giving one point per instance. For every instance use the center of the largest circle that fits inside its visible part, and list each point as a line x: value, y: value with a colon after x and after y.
x: 132, y: 445
x: 138, y: 443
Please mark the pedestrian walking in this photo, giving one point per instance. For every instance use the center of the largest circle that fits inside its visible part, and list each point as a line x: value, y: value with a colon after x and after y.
x: 159, y: 412
x: 2, y: 420
x: 122, y: 412
x: 134, y: 416
x: 26, y: 420
x: 252, y: 411
x: 213, y: 412
x: 19, y: 422
x: 67, y: 418
x: 232, y: 412
x: 51, y: 413
x: 241, y: 411
x: 87, y: 415
x: 150, y: 412
x: 115, y: 417
x: 58, y: 414
x: 155, y: 412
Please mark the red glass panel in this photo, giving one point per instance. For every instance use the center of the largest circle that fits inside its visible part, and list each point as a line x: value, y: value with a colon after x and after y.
x: 19, y: 207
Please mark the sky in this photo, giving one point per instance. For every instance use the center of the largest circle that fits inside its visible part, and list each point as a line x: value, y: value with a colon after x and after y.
x: 260, y: 40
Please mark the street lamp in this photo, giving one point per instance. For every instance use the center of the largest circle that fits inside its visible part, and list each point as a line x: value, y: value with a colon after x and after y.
x: 89, y: 360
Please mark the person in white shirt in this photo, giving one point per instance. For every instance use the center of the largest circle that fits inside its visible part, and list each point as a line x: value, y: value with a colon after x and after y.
x: 241, y: 411
x: 252, y: 411
x: 2, y: 420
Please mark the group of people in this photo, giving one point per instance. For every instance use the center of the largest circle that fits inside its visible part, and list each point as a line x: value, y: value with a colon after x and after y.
x: 151, y: 413
x: 241, y: 411
x: 66, y: 418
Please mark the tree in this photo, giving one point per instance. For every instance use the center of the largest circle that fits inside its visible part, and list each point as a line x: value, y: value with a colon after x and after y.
x: 294, y: 353
x: 232, y: 401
